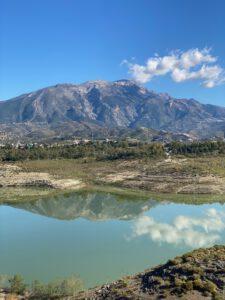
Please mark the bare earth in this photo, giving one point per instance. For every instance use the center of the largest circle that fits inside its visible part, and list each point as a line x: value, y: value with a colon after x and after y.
x: 166, y: 182
x: 175, y: 176
x: 178, y: 184
x: 14, y: 176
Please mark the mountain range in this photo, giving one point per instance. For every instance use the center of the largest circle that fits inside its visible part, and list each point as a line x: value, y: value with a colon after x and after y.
x: 103, y: 109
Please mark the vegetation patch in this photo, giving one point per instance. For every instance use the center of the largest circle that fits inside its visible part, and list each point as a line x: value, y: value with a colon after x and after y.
x: 15, y: 288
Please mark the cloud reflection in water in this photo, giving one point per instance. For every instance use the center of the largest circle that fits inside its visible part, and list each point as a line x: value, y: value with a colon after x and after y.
x: 190, y: 231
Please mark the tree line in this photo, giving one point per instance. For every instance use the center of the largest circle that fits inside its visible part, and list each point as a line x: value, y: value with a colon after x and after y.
x: 112, y: 151
x: 197, y: 148
x: 98, y: 151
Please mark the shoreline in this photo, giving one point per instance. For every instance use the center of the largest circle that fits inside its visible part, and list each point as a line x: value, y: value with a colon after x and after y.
x: 33, y: 180
x: 19, y: 195
x: 199, y: 274
x: 195, y: 275
x: 178, y: 180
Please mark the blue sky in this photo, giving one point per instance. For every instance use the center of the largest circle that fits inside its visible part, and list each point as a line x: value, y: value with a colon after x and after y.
x: 46, y: 42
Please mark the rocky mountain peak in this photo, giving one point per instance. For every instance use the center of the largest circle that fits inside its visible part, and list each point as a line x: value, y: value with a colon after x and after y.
x: 98, y: 105
x: 125, y: 82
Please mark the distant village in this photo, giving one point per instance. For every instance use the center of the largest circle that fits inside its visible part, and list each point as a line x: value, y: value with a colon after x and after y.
x: 8, y: 140
x: 73, y: 142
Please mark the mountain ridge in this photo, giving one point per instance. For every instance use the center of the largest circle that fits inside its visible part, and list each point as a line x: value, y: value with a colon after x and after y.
x: 99, y: 105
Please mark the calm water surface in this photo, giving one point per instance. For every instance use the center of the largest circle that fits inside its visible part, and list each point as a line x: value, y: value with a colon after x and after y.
x: 101, y: 237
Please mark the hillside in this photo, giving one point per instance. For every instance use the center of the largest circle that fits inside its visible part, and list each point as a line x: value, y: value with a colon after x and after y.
x: 103, y: 109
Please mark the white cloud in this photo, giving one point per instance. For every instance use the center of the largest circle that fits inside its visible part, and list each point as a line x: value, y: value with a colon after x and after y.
x: 193, y: 64
x: 194, y: 57
x: 193, y: 232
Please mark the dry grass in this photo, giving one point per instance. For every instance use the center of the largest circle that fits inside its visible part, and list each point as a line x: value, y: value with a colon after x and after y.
x: 86, y: 168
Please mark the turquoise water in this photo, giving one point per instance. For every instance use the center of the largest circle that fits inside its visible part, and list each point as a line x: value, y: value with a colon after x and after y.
x: 101, y: 237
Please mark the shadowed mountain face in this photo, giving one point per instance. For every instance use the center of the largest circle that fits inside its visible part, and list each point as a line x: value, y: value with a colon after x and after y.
x: 101, y: 106
x: 91, y: 206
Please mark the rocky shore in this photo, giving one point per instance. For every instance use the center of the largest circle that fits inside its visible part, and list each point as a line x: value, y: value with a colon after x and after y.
x: 196, y: 275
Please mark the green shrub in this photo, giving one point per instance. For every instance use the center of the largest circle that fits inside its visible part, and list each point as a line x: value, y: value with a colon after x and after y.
x: 17, y: 285
x: 210, y: 287
x: 57, y: 288
x: 178, y: 282
x: 198, y: 284
x: 188, y: 285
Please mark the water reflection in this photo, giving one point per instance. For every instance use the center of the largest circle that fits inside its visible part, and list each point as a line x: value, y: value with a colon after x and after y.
x: 91, y: 206
x: 190, y: 231
x: 43, y: 248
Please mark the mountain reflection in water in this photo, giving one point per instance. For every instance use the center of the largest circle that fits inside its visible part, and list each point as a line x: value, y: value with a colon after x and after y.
x: 38, y: 242
x: 88, y: 205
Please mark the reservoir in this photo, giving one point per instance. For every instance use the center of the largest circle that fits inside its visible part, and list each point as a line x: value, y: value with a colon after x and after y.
x: 100, y: 237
